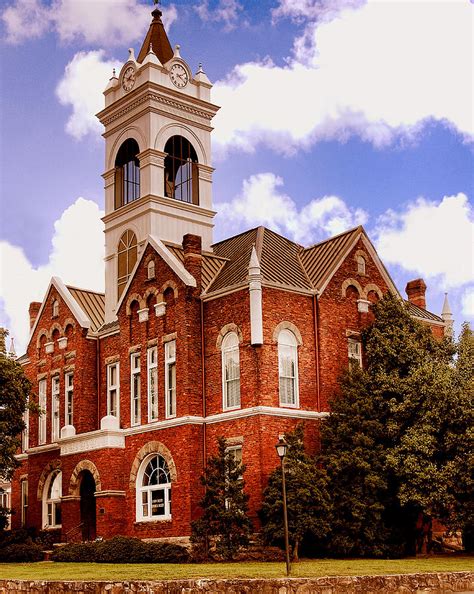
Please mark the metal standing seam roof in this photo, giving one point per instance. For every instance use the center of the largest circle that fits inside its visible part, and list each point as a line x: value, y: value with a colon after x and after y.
x: 93, y: 305
x: 211, y: 265
x: 320, y: 260
x: 419, y: 312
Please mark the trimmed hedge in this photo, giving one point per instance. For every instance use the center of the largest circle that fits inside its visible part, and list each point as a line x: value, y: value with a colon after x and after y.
x: 21, y: 553
x: 121, y: 549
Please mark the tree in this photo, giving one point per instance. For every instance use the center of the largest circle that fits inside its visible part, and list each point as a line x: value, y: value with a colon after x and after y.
x: 14, y: 391
x: 224, y: 504
x: 307, y: 498
x: 384, y: 445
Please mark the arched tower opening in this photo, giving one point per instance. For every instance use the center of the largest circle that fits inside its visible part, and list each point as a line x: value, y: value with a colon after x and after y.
x: 181, y: 171
x: 127, y: 173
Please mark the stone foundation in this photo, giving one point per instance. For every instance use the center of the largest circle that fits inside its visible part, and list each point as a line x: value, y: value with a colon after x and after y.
x: 427, y: 583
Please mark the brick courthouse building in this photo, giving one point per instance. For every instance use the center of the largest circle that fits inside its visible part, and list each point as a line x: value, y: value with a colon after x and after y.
x: 192, y: 340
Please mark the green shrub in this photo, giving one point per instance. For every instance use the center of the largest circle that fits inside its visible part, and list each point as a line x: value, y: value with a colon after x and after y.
x: 21, y: 553
x: 121, y: 549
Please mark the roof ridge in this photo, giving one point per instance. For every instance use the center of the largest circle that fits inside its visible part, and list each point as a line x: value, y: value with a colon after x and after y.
x: 234, y: 236
x: 85, y: 290
x: 358, y: 228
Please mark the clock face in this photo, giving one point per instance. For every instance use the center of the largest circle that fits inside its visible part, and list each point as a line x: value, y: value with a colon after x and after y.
x: 179, y: 76
x: 128, y: 79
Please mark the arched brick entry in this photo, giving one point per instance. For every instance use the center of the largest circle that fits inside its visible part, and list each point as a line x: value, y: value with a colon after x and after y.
x: 74, y: 483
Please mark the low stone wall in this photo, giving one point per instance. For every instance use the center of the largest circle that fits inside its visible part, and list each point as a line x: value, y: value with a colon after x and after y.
x: 426, y: 583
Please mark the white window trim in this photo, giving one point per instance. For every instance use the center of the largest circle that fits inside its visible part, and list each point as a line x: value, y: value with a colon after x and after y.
x: 6, y: 503
x: 55, y: 401
x: 111, y: 387
x: 354, y: 356
x: 139, y: 489
x: 68, y: 396
x: 53, y: 502
x: 152, y: 415
x: 236, y: 448
x: 224, y: 350
x: 135, y: 369
x: 25, y: 434
x: 24, y: 501
x: 294, y: 347
x: 43, y: 414
x: 169, y: 361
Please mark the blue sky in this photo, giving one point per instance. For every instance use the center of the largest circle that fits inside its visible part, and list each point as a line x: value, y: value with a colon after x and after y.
x: 334, y: 113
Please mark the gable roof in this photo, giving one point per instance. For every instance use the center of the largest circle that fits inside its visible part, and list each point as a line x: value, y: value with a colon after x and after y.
x: 168, y: 256
x: 211, y: 264
x: 74, y: 306
x: 423, y: 314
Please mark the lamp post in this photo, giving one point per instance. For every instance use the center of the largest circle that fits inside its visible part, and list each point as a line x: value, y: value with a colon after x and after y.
x: 281, y: 448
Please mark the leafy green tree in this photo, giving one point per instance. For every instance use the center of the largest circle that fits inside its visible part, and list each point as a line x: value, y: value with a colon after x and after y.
x: 384, y: 445
x: 224, y: 520
x: 307, y: 498
x: 14, y: 391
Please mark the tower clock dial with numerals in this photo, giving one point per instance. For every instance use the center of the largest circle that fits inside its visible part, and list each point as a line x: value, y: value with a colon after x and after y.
x: 179, y: 76
x: 129, y: 78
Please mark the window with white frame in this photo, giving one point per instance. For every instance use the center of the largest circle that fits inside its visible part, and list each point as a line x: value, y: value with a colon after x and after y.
x: 288, y: 368
x: 55, y: 308
x: 152, y: 369
x: 230, y: 371
x: 55, y: 420
x: 361, y: 264
x: 236, y: 454
x: 354, y: 348
x: 25, y: 434
x: 170, y: 378
x: 153, y: 490
x: 24, y: 502
x: 42, y: 403
x: 69, y: 399
x: 5, y: 503
x: 113, y: 389
x: 135, y: 388
x: 52, y: 500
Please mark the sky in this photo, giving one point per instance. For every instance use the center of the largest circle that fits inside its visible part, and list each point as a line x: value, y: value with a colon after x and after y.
x: 334, y: 113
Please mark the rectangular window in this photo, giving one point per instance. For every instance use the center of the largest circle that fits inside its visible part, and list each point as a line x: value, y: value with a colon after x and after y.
x: 42, y: 413
x: 135, y: 388
x: 236, y: 454
x: 24, y: 502
x: 355, y: 352
x: 25, y: 434
x: 55, y: 408
x: 113, y: 390
x: 288, y: 375
x: 170, y: 378
x: 152, y: 364
x: 69, y: 399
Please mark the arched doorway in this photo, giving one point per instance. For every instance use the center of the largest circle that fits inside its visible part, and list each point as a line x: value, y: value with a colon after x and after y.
x: 87, y: 489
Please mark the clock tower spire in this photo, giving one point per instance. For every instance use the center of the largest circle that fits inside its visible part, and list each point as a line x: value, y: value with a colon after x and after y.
x: 158, y: 172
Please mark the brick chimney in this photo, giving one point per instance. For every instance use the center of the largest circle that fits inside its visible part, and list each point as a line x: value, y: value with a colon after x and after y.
x: 193, y: 257
x: 33, y: 310
x: 416, y: 290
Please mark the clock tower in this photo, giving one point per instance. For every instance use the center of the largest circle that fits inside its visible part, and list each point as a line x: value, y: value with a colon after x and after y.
x: 158, y: 173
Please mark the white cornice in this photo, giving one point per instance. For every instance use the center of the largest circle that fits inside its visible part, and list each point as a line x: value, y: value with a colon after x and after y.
x: 93, y: 440
x: 42, y: 448
x: 272, y: 411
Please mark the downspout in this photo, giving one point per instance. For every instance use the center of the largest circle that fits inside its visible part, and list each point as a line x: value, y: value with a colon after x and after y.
x: 316, y: 348
x: 98, y: 382
x: 203, y: 381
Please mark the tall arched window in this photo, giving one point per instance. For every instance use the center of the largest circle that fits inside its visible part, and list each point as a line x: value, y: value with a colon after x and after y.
x: 361, y: 264
x: 126, y: 259
x: 127, y: 173
x: 52, y: 500
x: 181, y: 170
x: 55, y: 308
x: 288, y: 368
x: 231, y: 371
x: 153, y: 490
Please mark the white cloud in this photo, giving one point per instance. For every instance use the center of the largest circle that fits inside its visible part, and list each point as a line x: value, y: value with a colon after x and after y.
x: 380, y: 72
x: 225, y: 11
x: 432, y: 239
x: 81, y: 87
x: 76, y: 256
x: 101, y: 22
x: 468, y: 302
x: 304, y: 10
x: 262, y: 202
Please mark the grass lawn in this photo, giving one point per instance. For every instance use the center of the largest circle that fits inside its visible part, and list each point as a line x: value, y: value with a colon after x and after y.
x: 310, y: 568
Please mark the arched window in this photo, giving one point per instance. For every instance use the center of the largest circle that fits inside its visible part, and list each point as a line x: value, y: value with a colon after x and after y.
x: 52, y: 500
x: 360, y: 264
x: 127, y: 258
x: 127, y: 173
x: 288, y: 368
x: 154, y: 490
x: 230, y: 371
x: 181, y: 170
x: 151, y: 269
x: 55, y: 308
